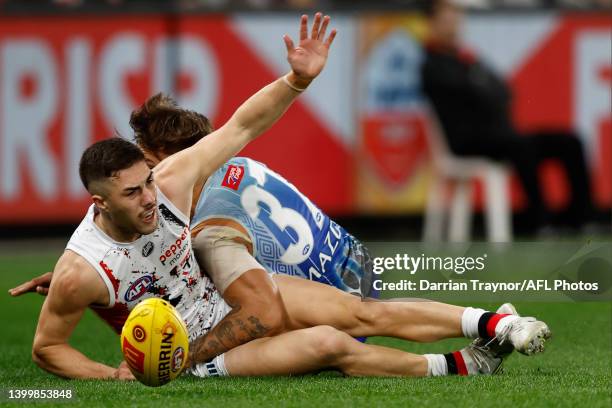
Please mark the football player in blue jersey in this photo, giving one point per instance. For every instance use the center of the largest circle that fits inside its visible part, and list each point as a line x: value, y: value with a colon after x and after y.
x: 318, y: 320
x: 248, y: 223
x: 247, y: 205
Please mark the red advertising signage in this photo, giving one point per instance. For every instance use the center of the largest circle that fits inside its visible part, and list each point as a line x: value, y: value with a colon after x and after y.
x: 67, y: 82
x: 356, y: 144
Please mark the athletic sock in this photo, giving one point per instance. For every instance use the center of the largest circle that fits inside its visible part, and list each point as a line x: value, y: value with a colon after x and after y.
x: 456, y: 363
x: 436, y: 365
x: 461, y: 363
x: 491, y: 324
x: 469, y: 322
x: 480, y: 323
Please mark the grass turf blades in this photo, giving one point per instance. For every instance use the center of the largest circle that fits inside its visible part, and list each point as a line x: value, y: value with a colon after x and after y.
x: 576, y: 368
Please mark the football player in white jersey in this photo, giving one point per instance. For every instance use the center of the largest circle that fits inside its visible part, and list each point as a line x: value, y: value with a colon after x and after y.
x: 317, y: 337
x: 314, y: 314
x: 135, y: 240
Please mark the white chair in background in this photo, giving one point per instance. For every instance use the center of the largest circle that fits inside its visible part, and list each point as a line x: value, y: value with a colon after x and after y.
x: 458, y: 173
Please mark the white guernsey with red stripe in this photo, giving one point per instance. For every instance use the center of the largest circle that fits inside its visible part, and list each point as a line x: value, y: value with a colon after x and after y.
x: 160, y: 264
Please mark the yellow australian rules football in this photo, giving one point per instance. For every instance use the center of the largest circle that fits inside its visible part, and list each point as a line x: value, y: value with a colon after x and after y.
x: 155, y: 342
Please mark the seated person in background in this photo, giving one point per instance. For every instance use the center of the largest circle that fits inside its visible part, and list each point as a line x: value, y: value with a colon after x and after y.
x: 473, y: 105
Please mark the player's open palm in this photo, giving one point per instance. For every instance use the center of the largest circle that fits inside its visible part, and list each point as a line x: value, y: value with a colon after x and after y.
x: 309, y: 57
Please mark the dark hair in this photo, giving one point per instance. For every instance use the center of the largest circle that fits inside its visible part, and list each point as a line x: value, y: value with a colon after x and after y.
x: 161, y: 126
x: 107, y: 157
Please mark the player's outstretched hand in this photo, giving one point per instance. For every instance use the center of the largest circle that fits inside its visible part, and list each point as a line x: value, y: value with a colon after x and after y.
x: 40, y: 285
x: 123, y: 372
x: 309, y: 57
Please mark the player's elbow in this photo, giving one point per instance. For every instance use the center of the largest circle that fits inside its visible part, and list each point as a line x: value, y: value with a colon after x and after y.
x: 261, y: 304
x: 43, y: 357
x: 39, y: 356
x: 36, y: 357
x: 275, y: 319
x: 42, y: 353
x: 269, y: 317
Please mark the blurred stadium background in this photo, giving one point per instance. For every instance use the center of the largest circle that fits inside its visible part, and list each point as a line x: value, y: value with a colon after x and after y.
x: 356, y: 143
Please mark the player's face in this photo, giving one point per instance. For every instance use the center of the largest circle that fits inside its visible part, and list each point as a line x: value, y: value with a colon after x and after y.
x: 131, y: 201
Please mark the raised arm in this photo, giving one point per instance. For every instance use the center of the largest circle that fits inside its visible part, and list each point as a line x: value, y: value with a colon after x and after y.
x: 74, y: 287
x: 178, y: 174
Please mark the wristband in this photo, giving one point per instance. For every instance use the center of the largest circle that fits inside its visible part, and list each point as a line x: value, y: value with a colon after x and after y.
x: 290, y: 85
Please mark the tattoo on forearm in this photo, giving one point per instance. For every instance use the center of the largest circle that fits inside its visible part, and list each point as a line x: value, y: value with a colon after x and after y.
x: 244, y: 328
x: 231, y: 332
x: 225, y: 332
x: 260, y: 329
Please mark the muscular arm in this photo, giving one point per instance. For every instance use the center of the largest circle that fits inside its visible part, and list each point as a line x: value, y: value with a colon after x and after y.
x: 257, y: 311
x: 222, y: 249
x: 74, y: 287
x: 177, y: 175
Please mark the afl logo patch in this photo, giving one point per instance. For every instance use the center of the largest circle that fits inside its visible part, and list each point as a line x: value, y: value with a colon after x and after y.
x: 138, y: 288
x: 177, y: 359
x: 147, y: 249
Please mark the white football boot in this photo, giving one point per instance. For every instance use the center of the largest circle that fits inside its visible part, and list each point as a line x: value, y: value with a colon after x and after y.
x: 507, y: 308
x: 525, y: 335
x: 481, y: 360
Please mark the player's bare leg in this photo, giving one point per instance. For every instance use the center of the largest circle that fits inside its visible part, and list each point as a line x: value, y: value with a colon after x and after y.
x: 318, y: 348
x: 312, y: 304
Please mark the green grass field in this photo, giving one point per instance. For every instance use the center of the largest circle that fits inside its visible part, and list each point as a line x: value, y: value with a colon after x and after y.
x: 575, y: 371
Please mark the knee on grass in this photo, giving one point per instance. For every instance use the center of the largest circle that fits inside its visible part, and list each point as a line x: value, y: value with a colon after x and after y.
x: 327, y: 344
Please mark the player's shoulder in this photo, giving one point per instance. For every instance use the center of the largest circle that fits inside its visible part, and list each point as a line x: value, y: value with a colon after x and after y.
x: 234, y: 173
x: 244, y: 162
x: 74, y: 277
x: 72, y: 265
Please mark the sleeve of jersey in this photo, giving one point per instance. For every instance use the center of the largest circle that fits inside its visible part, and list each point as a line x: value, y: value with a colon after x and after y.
x: 222, y: 255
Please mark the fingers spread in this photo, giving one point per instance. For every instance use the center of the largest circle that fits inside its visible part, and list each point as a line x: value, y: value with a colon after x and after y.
x: 321, y: 35
x: 315, y: 26
x: 288, y: 43
x: 304, y: 27
x: 331, y: 37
